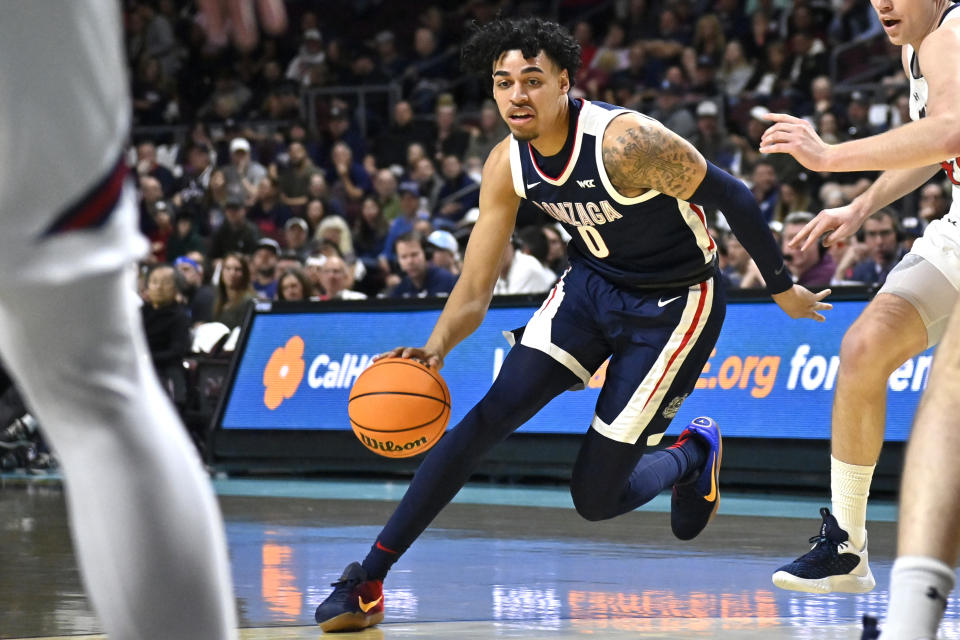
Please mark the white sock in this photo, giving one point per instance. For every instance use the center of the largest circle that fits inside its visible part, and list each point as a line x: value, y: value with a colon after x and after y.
x: 850, y: 487
x: 915, y: 609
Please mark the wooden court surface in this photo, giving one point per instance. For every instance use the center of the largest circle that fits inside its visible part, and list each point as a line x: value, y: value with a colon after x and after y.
x: 482, y: 571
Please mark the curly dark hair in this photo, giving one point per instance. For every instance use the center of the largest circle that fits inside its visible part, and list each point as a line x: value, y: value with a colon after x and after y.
x: 530, y: 35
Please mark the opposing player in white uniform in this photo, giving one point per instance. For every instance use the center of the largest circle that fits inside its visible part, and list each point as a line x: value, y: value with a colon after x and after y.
x: 146, y: 528
x: 909, y: 314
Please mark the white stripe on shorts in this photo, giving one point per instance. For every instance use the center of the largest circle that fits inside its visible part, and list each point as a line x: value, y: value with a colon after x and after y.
x: 537, y: 333
x: 628, y: 426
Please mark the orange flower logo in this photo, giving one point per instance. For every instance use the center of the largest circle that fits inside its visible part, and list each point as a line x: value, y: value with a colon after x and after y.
x: 283, y: 373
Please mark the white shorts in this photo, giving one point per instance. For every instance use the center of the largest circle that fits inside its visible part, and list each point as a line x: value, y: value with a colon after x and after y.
x: 929, y: 276
x: 65, y: 211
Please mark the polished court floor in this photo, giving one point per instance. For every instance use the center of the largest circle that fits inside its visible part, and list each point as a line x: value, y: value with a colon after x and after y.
x: 498, y: 563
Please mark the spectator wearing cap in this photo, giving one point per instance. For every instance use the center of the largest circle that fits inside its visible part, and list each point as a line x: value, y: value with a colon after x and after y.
x: 294, y: 178
x: 670, y: 110
x: 410, y: 211
x: 199, y: 297
x: 340, y: 128
x: 184, y: 238
x: 881, y: 232
x: 420, y: 279
x: 304, y: 67
x: 703, y: 82
x: 236, y: 234
x: 808, y: 59
x: 263, y: 266
x: 193, y: 184
x: 243, y: 173
x: 446, y: 251
x: 388, y: 58
x: 858, y: 117
x: 458, y: 194
x: 912, y: 228
x: 711, y: 138
x: 296, y: 238
x: 812, y: 267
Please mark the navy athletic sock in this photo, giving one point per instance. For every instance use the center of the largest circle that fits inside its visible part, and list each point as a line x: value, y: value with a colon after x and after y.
x: 611, y: 478
x: 528, y: 380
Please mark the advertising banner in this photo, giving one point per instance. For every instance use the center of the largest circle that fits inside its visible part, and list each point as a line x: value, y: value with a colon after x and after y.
x: 769, y: 376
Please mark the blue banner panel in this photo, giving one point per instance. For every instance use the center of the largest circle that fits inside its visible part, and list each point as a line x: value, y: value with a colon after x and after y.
x: 769, y: 376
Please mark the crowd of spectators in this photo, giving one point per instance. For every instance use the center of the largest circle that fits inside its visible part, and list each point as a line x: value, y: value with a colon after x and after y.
x: 248, y: 195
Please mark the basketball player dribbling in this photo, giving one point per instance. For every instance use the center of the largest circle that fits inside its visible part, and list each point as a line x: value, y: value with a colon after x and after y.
x: 908, y: 315
x: 642, y: 290
x: 146, y: 528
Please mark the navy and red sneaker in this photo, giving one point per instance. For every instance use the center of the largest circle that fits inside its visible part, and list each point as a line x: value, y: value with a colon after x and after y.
x: 695, y: 500
x: 356, y: 602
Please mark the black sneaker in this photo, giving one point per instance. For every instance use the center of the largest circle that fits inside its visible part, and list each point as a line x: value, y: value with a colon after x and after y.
x: 831, y: 565
x: 870, y: 629
x: 356, y: 603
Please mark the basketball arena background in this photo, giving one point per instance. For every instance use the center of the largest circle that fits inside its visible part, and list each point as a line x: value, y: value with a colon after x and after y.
x: 769, y: 384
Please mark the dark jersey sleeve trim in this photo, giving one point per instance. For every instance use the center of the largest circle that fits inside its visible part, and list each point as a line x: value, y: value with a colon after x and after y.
x: 722, y: 191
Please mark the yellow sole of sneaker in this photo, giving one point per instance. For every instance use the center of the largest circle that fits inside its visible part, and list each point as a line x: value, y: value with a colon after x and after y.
x: 350, y: 622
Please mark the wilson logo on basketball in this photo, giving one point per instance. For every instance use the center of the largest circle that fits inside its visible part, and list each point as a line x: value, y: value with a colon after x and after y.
x: 283, y: 373
x: 388, y: 446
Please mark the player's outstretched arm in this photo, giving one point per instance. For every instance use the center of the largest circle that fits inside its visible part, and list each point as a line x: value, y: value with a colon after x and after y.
x: 927, y: 141
x: 834, y: 225
x: 470, y: 298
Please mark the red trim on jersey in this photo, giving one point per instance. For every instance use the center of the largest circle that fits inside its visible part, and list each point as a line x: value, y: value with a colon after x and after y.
x: 683, y: 343
x: 703, y: 218
x: 576, y: 133
x: 94, y: 207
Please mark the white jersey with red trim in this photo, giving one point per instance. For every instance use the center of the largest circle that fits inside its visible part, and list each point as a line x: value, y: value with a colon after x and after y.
x: 652, y: 240
x: 64, y: 97
x: 940, y: 243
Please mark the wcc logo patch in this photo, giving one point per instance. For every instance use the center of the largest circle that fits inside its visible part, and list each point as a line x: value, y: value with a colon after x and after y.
x: 673, y: 407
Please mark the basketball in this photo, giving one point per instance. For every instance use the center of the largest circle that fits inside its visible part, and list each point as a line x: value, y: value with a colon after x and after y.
x: 399, y: 407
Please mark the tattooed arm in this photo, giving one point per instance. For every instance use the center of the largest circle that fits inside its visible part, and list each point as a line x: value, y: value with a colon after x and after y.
x: 641, y: 154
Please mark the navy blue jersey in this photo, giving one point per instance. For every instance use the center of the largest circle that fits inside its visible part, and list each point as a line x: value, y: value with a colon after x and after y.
x: 648, y: 241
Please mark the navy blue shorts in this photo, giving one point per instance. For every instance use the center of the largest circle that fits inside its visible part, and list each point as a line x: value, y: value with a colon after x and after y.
x: 658, y: 342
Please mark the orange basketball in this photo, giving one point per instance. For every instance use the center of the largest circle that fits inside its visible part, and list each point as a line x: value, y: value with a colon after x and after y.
x: 399, y: 407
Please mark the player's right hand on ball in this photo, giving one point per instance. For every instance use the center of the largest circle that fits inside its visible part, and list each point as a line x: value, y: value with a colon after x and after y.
x: 429, y: 358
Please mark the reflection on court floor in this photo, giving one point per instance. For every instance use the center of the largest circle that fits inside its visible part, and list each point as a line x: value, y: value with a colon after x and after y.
x: 484, y: 571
